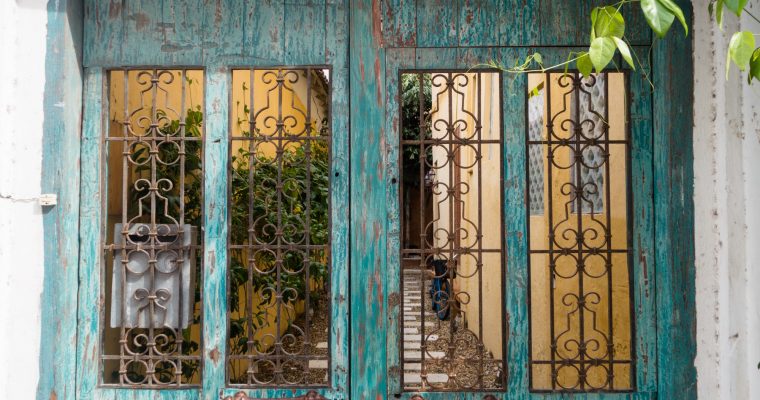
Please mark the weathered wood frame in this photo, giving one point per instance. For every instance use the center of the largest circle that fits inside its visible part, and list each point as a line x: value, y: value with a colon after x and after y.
x: 383, y: 36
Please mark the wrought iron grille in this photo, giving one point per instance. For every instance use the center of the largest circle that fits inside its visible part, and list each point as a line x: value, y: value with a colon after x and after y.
x: 154, y: 208
x: 279, y: 245
x: 580, y: 295
x: 452, y: 229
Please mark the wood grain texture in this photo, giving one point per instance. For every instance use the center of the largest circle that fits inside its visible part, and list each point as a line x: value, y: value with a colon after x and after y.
x: 396, y: 60
x: 399, y: 23
x: 61, y: 130
x: 674, y: 215
x: 437, y: 23
x: 642, y: 218
x: 368, y: 199
x: 90, y: 238
x: 218, y: 35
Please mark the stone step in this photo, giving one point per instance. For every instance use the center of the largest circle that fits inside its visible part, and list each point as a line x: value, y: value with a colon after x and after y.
x: 412, y: 345
x: 411, y: 331
x: 412, y: 366
x: 416, y: 378
x: 322, y: 345
x: 417, y: 355
x: 418, y: 338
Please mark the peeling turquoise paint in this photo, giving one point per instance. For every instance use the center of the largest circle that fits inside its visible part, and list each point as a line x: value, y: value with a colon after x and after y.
x: 60, y: 175
x: 366, y: 43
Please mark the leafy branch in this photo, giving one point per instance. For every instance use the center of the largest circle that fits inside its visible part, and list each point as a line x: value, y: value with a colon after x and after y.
x: 607, y: 38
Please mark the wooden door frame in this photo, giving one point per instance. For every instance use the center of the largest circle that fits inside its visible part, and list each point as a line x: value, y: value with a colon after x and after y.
x: 382, y: 39
x: 370, y: 297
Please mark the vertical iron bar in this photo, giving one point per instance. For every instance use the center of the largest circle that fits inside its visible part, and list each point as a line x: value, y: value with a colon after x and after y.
x: 578, y: 163
x: 606, y: 184
x: 550, y: 212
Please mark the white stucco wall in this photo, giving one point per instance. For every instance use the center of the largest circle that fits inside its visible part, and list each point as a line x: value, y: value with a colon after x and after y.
x: 22, y: 72
x: 727, y: 215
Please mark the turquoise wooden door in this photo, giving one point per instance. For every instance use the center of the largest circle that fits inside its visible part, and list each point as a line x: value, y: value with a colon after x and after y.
x: 263, y: 143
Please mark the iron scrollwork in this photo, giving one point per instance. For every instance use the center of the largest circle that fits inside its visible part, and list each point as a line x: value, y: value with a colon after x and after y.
x: 579, y: 245
x: 451, y: 223
x: 279, y: 244
x: 154, y: 208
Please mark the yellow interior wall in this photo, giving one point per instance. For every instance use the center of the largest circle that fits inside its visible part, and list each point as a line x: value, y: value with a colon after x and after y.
x: 138, y: 98
x: 292, y: 103
x: 539, y: 229
x: 479, y: 291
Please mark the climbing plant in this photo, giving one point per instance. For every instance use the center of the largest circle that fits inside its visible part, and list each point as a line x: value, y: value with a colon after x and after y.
x: 607, y: 38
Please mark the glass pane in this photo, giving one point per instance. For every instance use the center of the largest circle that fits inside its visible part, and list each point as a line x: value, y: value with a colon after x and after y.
x: 279, y: 244
x: 452, y: 237
x: 153, y: 228
x: 580, y: 296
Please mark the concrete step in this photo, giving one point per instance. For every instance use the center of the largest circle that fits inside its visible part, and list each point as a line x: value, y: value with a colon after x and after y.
x: 417, y: 355
x: 416, y: 378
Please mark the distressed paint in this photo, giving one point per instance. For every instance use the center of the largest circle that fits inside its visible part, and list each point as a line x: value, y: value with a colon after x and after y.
x: 642, y: 214
x: 206, y: 39
x: 219, y: 35
x: 60, y: 175
x: 396, y: 59
x: 674, y: 217
x: 437, y: 23
x: 399, y: 15
x: 368, y: 196
x: 90, y: 239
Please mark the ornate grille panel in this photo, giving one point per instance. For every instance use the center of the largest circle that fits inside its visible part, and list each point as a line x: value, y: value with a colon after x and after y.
x: 279, y: 246
x: 580, y: 296
x: 154, y: 209
x: 452, y: 259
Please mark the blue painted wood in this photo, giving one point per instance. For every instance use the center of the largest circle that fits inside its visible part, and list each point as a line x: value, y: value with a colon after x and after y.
x: 396, y: 60
x: 520, y: 22
x: 60, y: 175
x: 336, y: 55
x: 642, y: 217
x: 220, y: 34
x: 215, y: 167
x: 368, y: 199
x: 437, y: 23
x: 400, y: 23
x: 305, y: 32
x: 674, y: 218
x: 514, y: 88
x: 104, y: 24
x: 480, y: 22
x: 90, y: 238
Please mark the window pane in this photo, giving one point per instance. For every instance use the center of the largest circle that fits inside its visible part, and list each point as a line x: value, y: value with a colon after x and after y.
x: 451, y: 247
x: 279, y: 275
x: 154, y: 215
x: 580, y: 296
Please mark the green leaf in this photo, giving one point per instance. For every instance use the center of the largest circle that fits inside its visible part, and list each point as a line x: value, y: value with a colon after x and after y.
x: 625, y: 52
x: 537, y: 58
x: 740, y: 50
x: 719, y: 13
x: 584, y: 65
x: 658, y: 16
x: 754, y: 66
x: 736, y: 6
x: 601, y: 51
x: 607, y: 22
x: 675, y: 10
